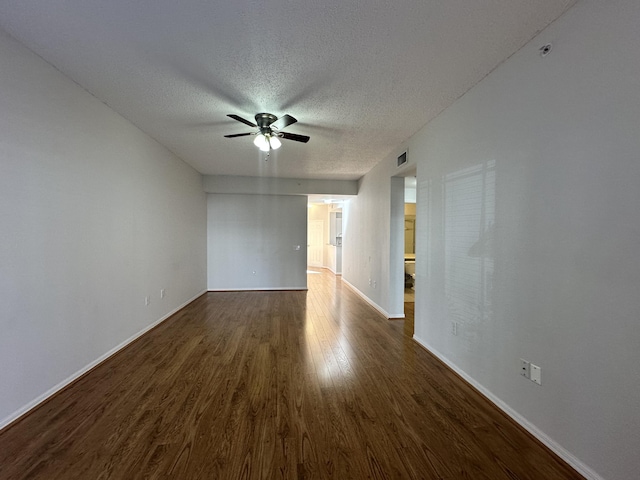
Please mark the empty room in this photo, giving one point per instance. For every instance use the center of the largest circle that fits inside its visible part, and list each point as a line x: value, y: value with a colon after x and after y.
x: 204, y: 261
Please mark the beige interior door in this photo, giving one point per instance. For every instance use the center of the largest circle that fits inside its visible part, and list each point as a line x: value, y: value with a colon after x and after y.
x: 315, y: 245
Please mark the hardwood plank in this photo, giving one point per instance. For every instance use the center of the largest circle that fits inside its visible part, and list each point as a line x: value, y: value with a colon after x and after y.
x: 274, y: 385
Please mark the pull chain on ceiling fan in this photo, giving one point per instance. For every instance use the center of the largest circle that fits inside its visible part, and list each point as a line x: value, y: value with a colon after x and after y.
x: 269, y: 130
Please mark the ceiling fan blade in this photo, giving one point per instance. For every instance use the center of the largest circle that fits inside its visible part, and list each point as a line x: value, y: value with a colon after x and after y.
x: 295, y: 137
x: 238, y: 135
x: 284, y: 121
x: 242, y: 120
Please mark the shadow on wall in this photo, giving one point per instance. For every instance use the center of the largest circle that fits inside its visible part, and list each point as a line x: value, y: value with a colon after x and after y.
x: 469, y: 219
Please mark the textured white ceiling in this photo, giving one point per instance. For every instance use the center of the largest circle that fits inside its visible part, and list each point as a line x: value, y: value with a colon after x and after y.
x: 360, y: 76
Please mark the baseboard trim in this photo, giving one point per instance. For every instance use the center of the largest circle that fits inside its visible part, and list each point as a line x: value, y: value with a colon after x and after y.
x: 283, y: 289
x: 26, y: 409
x: 371, y: 302
x: 551, y: 444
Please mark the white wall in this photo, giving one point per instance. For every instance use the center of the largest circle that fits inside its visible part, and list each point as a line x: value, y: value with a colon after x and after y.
x: 528, y: 233
x: 94, y: 216
x: 372, y: 258
x: 253, y: 241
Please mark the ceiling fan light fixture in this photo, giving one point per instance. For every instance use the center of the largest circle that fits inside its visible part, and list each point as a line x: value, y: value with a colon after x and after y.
x: 275, y: 142
x: 261, y: 142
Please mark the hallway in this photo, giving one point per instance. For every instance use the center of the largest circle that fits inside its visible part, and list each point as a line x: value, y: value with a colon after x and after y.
x: 278, y: 384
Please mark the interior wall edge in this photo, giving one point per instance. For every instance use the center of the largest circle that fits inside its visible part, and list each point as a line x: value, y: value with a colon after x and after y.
x: 554, y: 446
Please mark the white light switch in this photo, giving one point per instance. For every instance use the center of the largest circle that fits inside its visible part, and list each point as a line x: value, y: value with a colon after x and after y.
x: 536, y: 374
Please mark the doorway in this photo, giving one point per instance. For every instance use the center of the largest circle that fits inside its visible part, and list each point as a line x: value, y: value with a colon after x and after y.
x: 410, y: 237
x: 404, y: 239
x: 315, y: 243
x: 409, y: 249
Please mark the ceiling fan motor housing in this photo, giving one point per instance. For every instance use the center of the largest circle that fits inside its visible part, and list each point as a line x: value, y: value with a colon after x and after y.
x: 264, y: 121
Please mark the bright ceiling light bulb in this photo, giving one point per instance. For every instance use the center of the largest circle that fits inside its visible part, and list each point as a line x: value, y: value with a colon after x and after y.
x: 275, y: 143
x: 261, y: 142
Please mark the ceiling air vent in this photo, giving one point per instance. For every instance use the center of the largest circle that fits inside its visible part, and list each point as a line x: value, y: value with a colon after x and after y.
x: 402, y: 159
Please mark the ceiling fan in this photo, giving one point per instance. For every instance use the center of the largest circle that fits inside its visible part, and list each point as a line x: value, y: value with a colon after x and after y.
x: 269, y: 130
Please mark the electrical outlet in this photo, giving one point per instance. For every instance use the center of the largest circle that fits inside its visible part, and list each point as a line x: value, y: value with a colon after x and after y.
x: 525, y: 368
x: 454, y: 328
x: 162, y: 293
x: 147, y: 300
x: 536, y: 374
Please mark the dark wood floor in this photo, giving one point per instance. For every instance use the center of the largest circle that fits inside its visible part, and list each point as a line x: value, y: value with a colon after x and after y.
x: 289, y: 385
